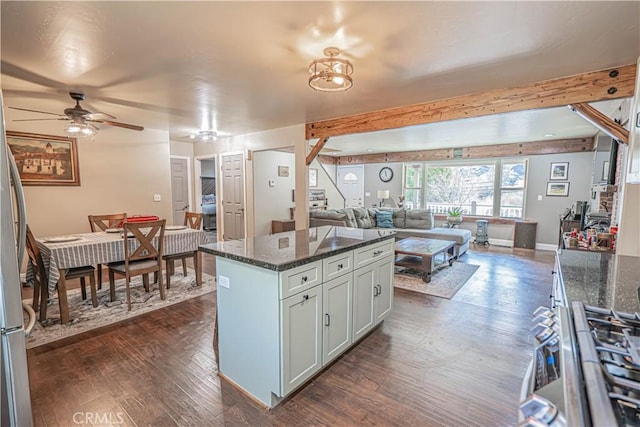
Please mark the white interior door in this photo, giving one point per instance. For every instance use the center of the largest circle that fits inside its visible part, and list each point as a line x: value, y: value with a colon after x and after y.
x: 179, y: 189
x: 233, y: 196
x: 351, y: 185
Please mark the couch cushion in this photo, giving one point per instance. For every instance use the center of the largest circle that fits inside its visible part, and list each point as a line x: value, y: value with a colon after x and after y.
x: 351, y: 218
x: 419, y: 218
x: 399, y: 218
x: 384, y: 219
x: 459, y: 235
x: 362, y: 217
x: 328, y: 214
x: 372, y: 216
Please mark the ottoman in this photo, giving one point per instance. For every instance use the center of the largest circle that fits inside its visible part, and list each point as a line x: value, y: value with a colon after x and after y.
x: 458, y: 235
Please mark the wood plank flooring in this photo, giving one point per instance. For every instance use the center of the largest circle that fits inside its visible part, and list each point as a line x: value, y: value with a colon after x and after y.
x: 432, y: 362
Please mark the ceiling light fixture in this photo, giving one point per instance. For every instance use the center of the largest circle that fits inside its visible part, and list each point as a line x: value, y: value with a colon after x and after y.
x: 204, y: 135
x: 330, y: 74
x: 77, y: 129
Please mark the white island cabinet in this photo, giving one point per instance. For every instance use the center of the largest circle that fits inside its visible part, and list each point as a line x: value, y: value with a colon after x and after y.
x: 290, y: 303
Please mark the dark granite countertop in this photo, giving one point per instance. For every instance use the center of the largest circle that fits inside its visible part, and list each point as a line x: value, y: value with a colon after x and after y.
x: 283, y: 251
x: 601, y: 279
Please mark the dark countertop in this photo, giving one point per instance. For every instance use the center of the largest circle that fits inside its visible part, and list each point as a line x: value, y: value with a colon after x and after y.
x: 604, y: 280
x: 283, y: 251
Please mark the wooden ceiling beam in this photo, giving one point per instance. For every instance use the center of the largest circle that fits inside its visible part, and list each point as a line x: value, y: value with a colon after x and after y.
x: 601, y: 121
x: 481, y: 152
x: 613, y: 83
x: 316, y: 149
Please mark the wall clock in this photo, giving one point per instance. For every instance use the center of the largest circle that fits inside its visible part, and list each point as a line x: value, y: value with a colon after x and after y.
x: 386, y: 174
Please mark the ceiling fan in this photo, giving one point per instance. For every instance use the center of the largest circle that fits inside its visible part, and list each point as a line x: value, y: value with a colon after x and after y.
x: 81, y: 121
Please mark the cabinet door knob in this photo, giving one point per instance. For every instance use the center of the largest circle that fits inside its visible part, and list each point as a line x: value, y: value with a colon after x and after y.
x: 327, y: 319
x: 304, y: 279
x: 340, y: 266
x: 305, y: 297
x: 553, y: 272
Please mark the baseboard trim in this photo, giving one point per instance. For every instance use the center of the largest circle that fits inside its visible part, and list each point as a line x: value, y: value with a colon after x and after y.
x: 546, y: 247
x: 501, y: 242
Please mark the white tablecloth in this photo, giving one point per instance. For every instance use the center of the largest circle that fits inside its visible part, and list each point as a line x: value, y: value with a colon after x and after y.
x: 103, y: 248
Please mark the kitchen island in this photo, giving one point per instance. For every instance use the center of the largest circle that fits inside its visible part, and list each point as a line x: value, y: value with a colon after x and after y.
x: 290, y: 303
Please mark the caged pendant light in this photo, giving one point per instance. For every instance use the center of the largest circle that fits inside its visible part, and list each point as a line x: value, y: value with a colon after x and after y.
x: 330, y: 74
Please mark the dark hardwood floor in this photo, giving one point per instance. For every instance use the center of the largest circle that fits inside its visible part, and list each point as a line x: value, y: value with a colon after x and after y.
x: 432, y: 362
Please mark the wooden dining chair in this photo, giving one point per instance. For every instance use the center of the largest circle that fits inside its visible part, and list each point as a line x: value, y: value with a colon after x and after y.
x: 41, y: 278
x: 191, y: 220
x: 102, y: 223
x: 142, y: 256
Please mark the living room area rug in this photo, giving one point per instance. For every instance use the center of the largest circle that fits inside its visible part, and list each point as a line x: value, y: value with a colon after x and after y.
x: 445, y: 281
x: 84, y: 317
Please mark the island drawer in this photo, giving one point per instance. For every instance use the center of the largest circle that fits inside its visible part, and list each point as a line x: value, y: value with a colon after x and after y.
x: 300, y: 278
x: 337, y: 265
x: 369, y: 254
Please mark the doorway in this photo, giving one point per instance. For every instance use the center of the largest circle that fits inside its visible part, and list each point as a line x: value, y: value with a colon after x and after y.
x: 180, y: 188
x: 351, y: 185
x: 233, y: 214
x: 206, y: 193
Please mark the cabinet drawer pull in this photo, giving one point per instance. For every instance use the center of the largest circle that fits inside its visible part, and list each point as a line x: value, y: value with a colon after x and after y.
x: 340, y: 266
x: 304, y: 279
x: 327, y: 319
x: 375, y: 291
x: 376, y: 253
x: 305, y: 297
x: 379, y: 289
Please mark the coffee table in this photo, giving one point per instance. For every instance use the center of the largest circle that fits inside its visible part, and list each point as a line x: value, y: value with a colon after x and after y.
x: 420, y: 254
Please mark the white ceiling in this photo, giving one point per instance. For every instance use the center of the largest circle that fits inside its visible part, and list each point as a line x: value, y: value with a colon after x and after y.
x: 241, y: 67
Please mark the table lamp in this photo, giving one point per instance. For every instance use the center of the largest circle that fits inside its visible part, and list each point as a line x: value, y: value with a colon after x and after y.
x: 382, y: 195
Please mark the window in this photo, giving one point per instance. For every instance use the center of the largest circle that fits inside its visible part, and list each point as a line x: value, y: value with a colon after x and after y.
x: 413, y: 178
x: 484, y: 188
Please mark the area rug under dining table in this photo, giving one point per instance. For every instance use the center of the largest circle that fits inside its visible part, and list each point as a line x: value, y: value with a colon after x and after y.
x: 445, y: 281
x: 85, y: 317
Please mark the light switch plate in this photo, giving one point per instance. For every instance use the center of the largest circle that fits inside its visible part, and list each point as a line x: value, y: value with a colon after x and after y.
x: 272, y: 183
x: 539, y: 196
x: 156, y: 198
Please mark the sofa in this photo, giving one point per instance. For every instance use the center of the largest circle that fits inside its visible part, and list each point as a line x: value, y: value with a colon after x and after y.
x: 406, y: 223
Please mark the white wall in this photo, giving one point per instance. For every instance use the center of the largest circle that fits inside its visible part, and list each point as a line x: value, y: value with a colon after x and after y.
x: 274, y: 138
x: 547, y: 211
x: 326, y: 181
x: 178, y: 148
x: 272, y: 202
x: 120, y: 171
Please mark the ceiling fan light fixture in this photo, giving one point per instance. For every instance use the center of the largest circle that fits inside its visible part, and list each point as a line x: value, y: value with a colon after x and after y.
x: 330, y: 74
x: 74, y: 129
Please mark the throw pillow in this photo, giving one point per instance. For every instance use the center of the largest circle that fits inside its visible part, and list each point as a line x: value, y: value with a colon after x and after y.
x: 362, y: 217
x: 384, y: 219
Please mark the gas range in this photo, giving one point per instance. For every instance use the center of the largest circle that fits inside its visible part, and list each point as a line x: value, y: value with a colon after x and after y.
x: 609, y: 352
x: 585, y: 370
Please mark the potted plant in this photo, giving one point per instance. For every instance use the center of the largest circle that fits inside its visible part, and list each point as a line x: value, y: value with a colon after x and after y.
x: 454, y: 215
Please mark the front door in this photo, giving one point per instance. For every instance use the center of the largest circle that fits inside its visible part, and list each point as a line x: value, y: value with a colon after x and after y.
x: 351, y: 185
x: 179, y: 189
x: 233, y: 197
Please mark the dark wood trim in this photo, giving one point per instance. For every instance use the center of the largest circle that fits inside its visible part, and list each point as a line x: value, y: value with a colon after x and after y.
x: 316, y: 149
x: 327, y: 160
x: 482, y: 152
x: 601, y: 121
x: 612, y: 83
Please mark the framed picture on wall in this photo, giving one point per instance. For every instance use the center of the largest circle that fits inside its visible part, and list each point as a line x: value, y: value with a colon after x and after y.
x: 558, y: 189
x: 283, y: 171
x: 45, y: 159
x: 559, y: 171
x: 313, y: 177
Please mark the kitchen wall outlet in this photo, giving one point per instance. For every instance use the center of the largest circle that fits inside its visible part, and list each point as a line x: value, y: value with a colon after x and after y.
x: 272, y: 183
x: 156, y: 198
x: 539, y: 196
x: 367, y: 194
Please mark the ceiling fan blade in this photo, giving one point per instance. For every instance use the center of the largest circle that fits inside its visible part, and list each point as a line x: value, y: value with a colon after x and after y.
x: 37, y: 120
x: 118, y: 124
x: 99, y: 116
x: 36, y: 111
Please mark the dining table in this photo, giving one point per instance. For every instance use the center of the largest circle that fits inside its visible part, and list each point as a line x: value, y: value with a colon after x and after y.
x: 60, y: 253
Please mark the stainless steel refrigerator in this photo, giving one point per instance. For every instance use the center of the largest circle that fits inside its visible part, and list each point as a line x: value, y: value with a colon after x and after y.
x: 15, y: 400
